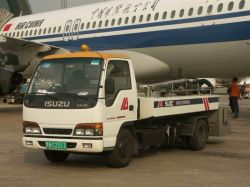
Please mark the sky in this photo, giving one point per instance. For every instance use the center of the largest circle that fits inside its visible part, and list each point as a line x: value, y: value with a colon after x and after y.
x: 47, y: 5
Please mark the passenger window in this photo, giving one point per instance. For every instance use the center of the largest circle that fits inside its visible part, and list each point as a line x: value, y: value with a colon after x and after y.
x: 181, y: 14
x: 94, y: 24
x: 21, y: 34
x: 220, y: 7
x: 88, y: 25
x: 141, y: 18
x: 242, y: 4
x: 119, y: 73
x: 106, y: 23
x: 210, y: 9
x: 173, y: 14
x: 54, y: 30
x: 82, y: 26
x: 35, y: 32
x: 133, y: 19
x: 40, y: 32
x: 156, y: 16
x: 119, y: 21
x: 113, y: 22
x: 148, y: 17
x: 100, y: 24
x: 200, y: 10
x: 31, y: 32
x: 16, y: 35
x: 49, y: 31
x: 190, y: 12
x: 164, y: 15
x: 230, y: 6
x: 126, y: 20
x: 44, y: 31
x: 59, y: 29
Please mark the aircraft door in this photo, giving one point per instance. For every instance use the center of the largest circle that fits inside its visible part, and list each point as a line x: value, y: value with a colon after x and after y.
x: 75, y: 29
x: 67, y: 31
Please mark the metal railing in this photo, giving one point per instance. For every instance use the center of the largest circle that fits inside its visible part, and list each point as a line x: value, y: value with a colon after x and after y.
x: 182, y: 87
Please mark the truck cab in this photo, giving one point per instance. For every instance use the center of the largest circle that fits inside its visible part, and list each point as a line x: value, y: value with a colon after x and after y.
x: 78, y: 102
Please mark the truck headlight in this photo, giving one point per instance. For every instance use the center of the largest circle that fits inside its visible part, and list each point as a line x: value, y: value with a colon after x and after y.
x: 31, y: 128
x: 89, y: 129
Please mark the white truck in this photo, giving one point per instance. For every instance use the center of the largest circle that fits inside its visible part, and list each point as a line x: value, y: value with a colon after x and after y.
x: 91, y: 102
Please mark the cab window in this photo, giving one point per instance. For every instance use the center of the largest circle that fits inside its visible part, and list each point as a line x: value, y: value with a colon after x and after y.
x: 118, y: 73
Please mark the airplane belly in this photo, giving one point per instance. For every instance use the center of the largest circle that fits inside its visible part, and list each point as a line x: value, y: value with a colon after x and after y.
x: 221, y: 60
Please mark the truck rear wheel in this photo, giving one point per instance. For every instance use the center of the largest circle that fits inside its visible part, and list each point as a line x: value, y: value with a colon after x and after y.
x: 199, y: 138
x: 123, y: 151
x: 56, y: 156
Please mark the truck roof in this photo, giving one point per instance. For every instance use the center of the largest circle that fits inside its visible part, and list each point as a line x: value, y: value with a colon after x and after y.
x: 86, y: 54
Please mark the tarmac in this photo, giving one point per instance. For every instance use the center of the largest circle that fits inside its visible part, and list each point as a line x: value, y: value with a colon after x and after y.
x: 224, y: 162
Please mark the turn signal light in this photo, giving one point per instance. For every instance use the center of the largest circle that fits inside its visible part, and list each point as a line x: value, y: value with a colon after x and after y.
x: 89, y: 129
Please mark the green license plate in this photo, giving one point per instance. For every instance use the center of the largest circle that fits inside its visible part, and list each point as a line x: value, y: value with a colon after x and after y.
x: 56, y: 145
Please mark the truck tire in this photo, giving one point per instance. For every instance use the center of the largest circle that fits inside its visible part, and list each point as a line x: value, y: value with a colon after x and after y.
x: 123, y: 151
x: 56, y: 156
x: 199, y: 138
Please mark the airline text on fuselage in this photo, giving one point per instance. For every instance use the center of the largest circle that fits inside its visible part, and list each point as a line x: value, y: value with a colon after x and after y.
x: 124, y: 8
x: 30, y: 24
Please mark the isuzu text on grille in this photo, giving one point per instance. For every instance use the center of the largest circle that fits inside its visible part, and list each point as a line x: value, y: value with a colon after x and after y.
x: 57, y: 104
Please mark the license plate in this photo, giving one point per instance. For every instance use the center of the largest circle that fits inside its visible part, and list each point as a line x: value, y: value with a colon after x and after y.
x: 56, y: 145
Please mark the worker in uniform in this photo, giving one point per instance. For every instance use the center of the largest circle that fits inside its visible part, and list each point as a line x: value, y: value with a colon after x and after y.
x: 234, y: 96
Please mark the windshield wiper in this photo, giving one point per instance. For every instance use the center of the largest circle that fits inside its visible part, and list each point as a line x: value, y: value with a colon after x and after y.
x: 73, y: 95
x: 43, y: 94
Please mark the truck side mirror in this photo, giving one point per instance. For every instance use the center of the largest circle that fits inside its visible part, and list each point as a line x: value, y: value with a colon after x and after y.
x: 109, y: 86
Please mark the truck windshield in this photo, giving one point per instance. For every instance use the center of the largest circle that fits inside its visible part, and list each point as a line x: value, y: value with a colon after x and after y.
x: 74, y: 81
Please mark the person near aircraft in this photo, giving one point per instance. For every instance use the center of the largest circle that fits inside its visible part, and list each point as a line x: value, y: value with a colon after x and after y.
x: 234, y: 97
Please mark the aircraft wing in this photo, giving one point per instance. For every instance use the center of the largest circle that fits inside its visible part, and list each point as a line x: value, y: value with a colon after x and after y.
x: 23, y: 55
x: 145, y: 65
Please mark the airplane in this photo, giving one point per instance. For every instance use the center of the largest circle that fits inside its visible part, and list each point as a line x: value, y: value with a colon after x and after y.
x: 170, y: 39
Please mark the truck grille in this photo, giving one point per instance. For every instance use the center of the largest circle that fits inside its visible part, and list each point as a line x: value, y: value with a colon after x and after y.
x: 69, y: 145
x: 57, y: 131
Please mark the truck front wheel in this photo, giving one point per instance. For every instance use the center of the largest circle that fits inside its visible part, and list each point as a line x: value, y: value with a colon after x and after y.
x: 56, y: 156
x: 199, y: 138
x: 123, y: 151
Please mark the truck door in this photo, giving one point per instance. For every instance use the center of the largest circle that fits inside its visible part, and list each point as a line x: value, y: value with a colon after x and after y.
x: 121, y: 103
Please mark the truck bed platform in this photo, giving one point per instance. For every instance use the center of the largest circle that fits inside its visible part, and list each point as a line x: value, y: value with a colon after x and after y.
x: 169, y: 106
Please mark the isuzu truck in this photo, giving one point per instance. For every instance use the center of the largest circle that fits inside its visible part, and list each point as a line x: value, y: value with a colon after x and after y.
x: 97, y: 103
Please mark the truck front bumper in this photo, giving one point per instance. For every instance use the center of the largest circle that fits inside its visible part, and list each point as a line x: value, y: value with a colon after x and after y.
x: 73, y: 145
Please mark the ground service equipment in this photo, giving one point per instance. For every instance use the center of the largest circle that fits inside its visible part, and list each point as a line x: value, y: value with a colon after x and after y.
x: 91, y: 102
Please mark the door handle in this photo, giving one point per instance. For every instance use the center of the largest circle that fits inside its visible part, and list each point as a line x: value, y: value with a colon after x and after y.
x: 131, y: 107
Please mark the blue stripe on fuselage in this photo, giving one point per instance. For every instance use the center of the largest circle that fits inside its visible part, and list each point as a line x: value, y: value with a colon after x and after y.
x: 194, y: 35
x: 147, y: 25
x: 183, y: 36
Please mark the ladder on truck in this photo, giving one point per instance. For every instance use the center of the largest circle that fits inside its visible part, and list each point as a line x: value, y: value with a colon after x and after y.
x: 181, y: 87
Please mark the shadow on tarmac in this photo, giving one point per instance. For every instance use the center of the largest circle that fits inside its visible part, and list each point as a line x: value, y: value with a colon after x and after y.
x: 10, y: 109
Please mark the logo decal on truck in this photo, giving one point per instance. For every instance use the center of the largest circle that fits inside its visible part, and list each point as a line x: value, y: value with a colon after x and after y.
x: 206, y: 104
x: 57, y: 104
x: 124, y: 104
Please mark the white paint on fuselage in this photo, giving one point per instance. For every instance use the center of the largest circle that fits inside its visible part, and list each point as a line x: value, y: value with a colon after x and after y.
x: 227, y: 59
x: 224, y: 59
